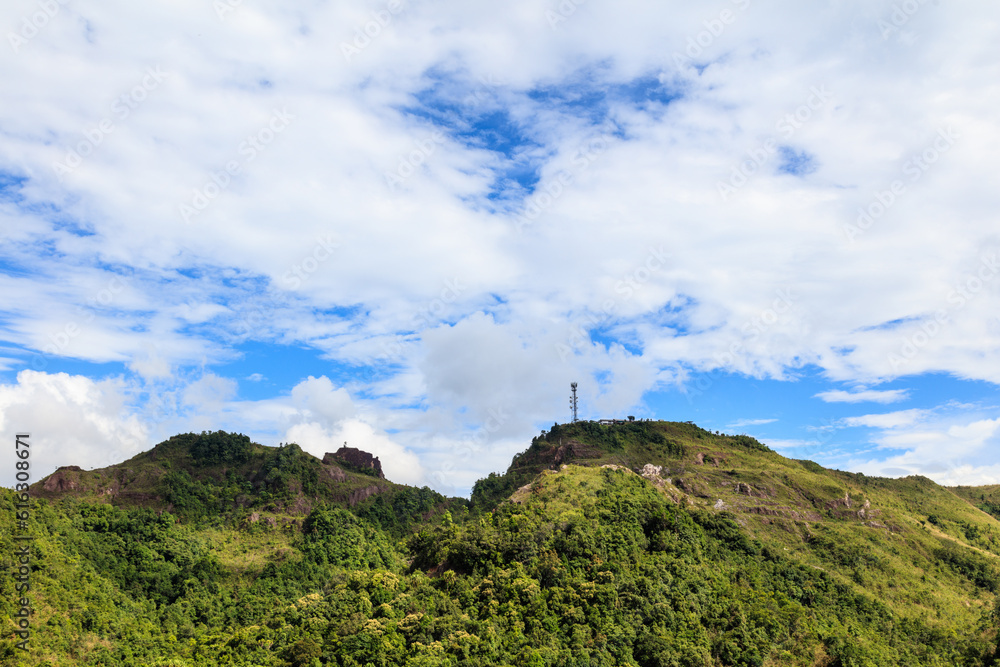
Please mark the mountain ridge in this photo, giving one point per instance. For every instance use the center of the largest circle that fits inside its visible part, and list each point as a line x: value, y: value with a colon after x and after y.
x: 640, y: 543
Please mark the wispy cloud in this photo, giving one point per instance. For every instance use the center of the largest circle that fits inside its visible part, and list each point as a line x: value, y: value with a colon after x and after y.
x: 887, y: 420
x: 864, y: 396
x: 750, y: 422
x: 948, y: 445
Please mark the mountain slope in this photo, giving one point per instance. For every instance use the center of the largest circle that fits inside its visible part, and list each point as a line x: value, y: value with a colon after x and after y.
x: 218, y: 474
x: 644, y: 543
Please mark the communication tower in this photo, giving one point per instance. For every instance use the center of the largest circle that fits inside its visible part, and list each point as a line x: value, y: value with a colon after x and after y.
x: 572, y: 400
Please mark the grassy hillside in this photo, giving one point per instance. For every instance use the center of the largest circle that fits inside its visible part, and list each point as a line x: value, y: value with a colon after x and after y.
x: 646, y: 543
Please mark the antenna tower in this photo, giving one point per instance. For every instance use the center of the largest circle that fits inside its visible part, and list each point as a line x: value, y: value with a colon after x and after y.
x: 572, y: 400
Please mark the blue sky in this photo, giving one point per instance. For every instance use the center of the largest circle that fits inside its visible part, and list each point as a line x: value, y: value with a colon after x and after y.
x: 410, y: 226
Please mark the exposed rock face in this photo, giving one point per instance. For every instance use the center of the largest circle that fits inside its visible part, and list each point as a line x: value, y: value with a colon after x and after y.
x: 649, y: 471
x: 840, y: 502
x: 336, y: 473
x: 715, y: 459
x: 60, y: 481
x: 360, y: 495
x: 692, y: 487
x: 652, y: 473
x: 356, y: 458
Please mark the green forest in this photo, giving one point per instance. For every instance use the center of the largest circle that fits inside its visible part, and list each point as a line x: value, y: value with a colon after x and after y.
x: 647, y: 544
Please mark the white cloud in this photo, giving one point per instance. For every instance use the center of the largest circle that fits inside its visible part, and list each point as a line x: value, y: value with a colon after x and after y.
x: 318, y: 399
x: 764, y: 281
x: 791, y: 447
x: 211, y: 99
x: 209, y: 393
x: 750, y: 422
x: 864, y: 395
x: 77, y: 421
x: 886, y: 420
x: 73, y: 420
x: 943, y: 444
x: 321, y: 417
x: 398, y: 464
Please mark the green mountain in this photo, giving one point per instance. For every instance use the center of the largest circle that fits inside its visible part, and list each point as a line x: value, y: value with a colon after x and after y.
x: 642, y: 543
x: 218, y: 475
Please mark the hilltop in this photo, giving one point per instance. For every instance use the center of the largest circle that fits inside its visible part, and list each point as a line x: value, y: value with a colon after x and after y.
x: 642, y: 543
x: 770, y: 494
x: 219, y: 474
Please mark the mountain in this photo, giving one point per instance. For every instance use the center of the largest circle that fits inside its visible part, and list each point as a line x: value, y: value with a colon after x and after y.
x: 214, y: 474
x: 636, y: 543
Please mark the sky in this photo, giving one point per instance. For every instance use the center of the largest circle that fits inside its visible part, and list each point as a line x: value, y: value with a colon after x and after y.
x: 407, y: 226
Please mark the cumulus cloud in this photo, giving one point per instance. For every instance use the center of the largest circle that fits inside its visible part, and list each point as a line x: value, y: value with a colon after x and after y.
x: 210, y: 392
x: 73, y: 421
x: 321, y: 418
x: 78, y: 421
x: 398, y: 464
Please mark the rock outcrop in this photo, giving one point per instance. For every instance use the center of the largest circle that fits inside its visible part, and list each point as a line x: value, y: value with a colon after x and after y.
x: 59, y: 481
x: 355, y: 458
